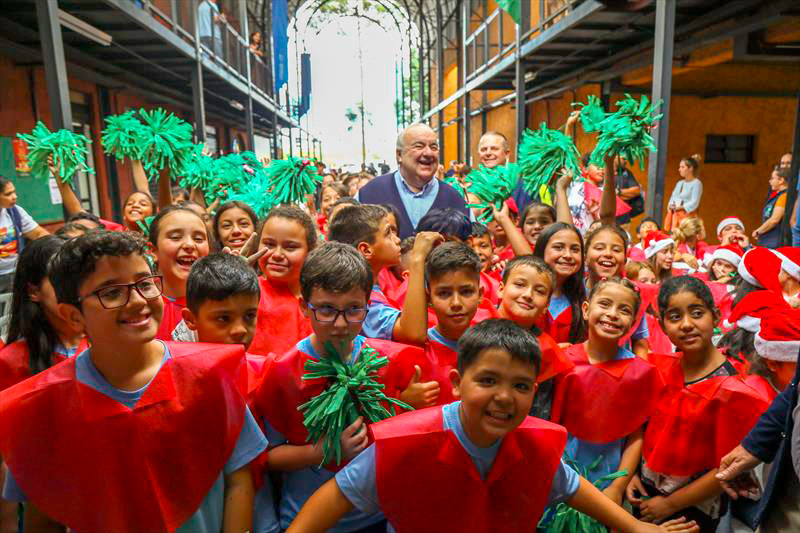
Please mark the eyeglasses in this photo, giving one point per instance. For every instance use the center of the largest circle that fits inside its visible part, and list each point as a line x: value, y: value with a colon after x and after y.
x: 114, y: 296
x: 329, y: 315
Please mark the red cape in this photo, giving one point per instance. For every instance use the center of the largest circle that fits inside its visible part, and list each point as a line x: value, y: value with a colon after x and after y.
x: 436, y: 366
x: 554, y: 360
x: 559, y: 327
x: 171, y: 318
x: 604, y: 402
x: 761, y: 386
x: 15, y: 363
x: 112, y: 226
x: 282, y: 389
x: 694, y: 426
x: 426, y: 481
x: 391, y: 285
x: 280, y: 322
x: 118, y: 469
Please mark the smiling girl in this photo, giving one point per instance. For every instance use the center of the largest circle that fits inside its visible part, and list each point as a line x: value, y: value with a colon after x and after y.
x: 659, y: 249
x: 233, y: 224
x: 535, y: 218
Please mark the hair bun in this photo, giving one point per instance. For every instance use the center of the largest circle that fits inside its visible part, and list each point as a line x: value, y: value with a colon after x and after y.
x: 697, y: 158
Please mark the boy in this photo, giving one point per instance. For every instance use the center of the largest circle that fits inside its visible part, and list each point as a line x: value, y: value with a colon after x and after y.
x: 636, y: 252
x: 421, y: 460
x: 336, y: 282
x: 128, y: 405
x: 480, y: 240
x: 372, y: 230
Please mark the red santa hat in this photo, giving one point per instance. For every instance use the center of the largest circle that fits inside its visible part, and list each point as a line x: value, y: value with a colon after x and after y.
x: 727, y: 221
x: 790, y: 260
x: 655, y: 241
x: 749, y: 312
x: 760, y: 267
x: 779, y: 337
x: 732, y: 253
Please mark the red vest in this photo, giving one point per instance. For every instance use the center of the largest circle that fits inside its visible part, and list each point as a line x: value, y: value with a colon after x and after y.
x: 426, y: 481
x: 439, y: 361
x: 554, y: 360
x: 119, y: 469
x: 694, y: 426
x: 171, y: 318
x: 608, y: 401
x: 15, y: 362
x: 280, y: 324
x: 390, y: 285
x: 559, y: 327
x: 490, y: 286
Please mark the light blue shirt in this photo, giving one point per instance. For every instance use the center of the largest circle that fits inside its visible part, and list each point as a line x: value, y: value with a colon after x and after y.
x: 357, y: 480
x: 434, y: 335
x: 208, y: 517
x: 381, y: 318
x: 299, y: 485
x: 206, y: 27
x: 558, y: 304
x: 417, y: 204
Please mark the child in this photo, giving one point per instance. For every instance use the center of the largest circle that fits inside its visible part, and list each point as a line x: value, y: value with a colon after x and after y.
x: 659, y: 252
x: 723, y: 263
x: 704, y: 411
x: 502, y: 243
x: 648, y: 224
x: 480, y: 240
x: 689, y: 244
x: 777, y: 344
x: 593, y: 400
x: 336, y: 283
x: 393, y: 281
x: 179, y: 238
x: 477, y: 448
x: 561, y: 247
x: 372, y: 230
x: 234, y: 223
x: 535, y: 218
x: 641, y: 272
x: 288, y: 235
x: 730, y: 230
x: 525, y: 294
x: 139, y: 411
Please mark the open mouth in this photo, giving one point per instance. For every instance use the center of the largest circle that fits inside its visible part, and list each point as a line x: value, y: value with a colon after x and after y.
x: 607, y: 264
x: 610, y: 326
x: 137, y: 321
x: 499, y: 416
x: 185, y: 262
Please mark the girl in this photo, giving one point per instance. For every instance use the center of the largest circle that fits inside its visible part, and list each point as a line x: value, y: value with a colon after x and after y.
x: 233, y: 224
x: 659, y: 251
x: 769, y: 232
x: 288, y: 235
x: 16, y: 225
x: 535, y: 219
x: 593, y: 400
x: 179, y: 238
x: 685, y: 198
x: 329, y: 195
x: 724, y: 262
x: 138, y: 206
x: 561, y: 247
x: 703, y: 412
x: 641, y: 272
x: 689, y: 244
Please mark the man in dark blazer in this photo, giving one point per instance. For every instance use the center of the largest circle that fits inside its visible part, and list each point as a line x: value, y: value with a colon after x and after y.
x: 413, y: 188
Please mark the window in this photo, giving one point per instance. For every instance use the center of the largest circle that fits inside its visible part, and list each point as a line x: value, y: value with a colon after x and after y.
x: 730, y: 149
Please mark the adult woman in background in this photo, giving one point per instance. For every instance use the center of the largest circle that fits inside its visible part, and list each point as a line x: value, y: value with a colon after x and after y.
x: 16, y: 225
x: 769, y: 232
x: 685, y: 198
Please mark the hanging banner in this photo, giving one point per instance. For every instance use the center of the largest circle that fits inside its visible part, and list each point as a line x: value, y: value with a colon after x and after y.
x: 280, y: 41
x: 305, y: 83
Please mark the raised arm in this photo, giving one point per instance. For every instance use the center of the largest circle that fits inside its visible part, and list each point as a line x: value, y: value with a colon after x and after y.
x: 563, y: 214
x: 164, y: 188
x: 608, y: 201
x: 70, y: 200
x: 518, y: 241
x: 412, y: 325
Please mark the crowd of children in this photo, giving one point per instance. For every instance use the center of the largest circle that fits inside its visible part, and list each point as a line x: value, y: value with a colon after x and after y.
x: 540, y: 375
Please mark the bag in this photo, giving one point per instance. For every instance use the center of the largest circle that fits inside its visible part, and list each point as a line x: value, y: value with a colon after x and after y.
x: 16, y: 221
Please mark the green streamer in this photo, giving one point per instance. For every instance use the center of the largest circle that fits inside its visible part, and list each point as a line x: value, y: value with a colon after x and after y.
x: 292, y: 179
x: 198, y: 173
x: 492, y: 186
x: 512, y: 7
x: 69, y: 151
x: 542, y: 155
x: 352, y: 392
x: 592, y: 114
x: 453, y: 182
x: 626, y: 132
x: 120, y: 136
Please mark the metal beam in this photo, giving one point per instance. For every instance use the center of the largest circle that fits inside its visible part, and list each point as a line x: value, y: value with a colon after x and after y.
x: 244, y: 24
x: 522, y: 109
x: 55, y: 66
x: 440, y: 72
x: 465, y: 118
x: 198, y: 95
x: 662, y: 87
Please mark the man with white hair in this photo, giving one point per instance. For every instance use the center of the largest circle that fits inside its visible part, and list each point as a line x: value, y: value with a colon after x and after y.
x: 412, y: 189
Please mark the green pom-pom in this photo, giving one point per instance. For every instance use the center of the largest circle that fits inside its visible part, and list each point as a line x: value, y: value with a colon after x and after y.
x: 352, y: 392
x: 592, y: 114
x: 69, y: 151
x: 254, y: 189
x: 542, y: 155
x: 492, y: 186
x: 232, y: 174
x: 120, y: 136
x: 144, y: 225
x: 626, y: 132
x: 292, y: 179
x: 164, y: 139
x: 454, y: 183
x: 198, y: 173
x: 512, y: 7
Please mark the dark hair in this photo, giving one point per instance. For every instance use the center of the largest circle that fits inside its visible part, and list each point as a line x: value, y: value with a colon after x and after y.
x: 340, y: 189
x: 3, y: 183
x: 28, y: 320
x: 573, y: 287
x: 344, y: 200
x: 537, y: 263
x: 586, y: 159
x: 356, y: 224
x: 739, y: 342
x: 218, y: 277
x: 155, y: 224
x: 693, y: 161
x: 741, y: 288
x: 616, y: 280
x: 782, y: 172
x: 537, y: 205
x: 500, y: 333
x: 593, y: 233
x: 153, y: 205
x: 407, y: 244
x: 179, y: 191
x: 293, y: 213
x: 451, y: 257
x: 233, y: 204
x: 77, y: 259
x: 677, y: 284
x: 72, y: 227
x: 449, y: 222
x: 84, y: 215
x: 647, y: 219
x: 335, y: 267
x: 479, y: 230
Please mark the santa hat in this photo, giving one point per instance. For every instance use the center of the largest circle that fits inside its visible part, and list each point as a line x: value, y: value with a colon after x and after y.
x: 655, y: 241
x: 779, y: 337
x: 760, y: 267
x: 727, y: 222
x: 732, y: 253
x: 790, y: 260
x: 748, y: 313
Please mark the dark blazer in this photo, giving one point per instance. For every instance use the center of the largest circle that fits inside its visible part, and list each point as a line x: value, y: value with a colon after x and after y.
x: 383, y: 190
x: 770, y: 442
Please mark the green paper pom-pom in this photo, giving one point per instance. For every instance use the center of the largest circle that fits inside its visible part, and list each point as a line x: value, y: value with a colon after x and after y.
x: 69, y: 151
x: 592, y: 114
x: 542, y: 155
x: 352, y: 392
x: 164, y: 139
x: 626, y: 132
x: 121, y: 134
x: 454, y: 183
x: 512, y: 7
x: 292, y: 179
x: 198, y: 173
x: 492, y: 186
x: 232, y: 174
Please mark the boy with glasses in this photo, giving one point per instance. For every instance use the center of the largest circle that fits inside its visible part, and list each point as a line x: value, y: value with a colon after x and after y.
x: 133, y: 434
x: 336, y: 282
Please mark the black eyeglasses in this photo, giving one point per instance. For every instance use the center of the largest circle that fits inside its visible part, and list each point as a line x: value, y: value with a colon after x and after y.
x: 114, y: 296
x: 329, y: 315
